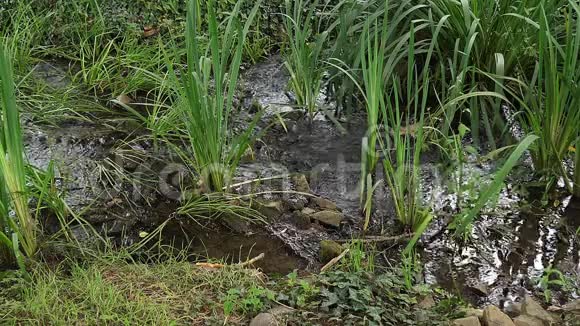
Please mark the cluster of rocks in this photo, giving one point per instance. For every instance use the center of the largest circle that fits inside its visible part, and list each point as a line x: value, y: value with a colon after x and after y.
x: 304, y: 208
x: 527, y: 313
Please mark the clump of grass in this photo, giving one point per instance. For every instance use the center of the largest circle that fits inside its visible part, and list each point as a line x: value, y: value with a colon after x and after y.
x: 304, y: 58
x: 552, y: 103
x: 18, y: 233
x: 402, y: 152
x: 207, y: 91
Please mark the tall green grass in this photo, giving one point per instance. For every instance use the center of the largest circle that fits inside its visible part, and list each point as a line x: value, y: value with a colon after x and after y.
x: 304, y: 57
x: 493, y: 36
x: 18, y: 231
x: 207, y: 92
x: 552, y: 102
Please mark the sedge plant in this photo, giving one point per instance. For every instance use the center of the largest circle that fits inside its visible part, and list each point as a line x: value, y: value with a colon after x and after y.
x: 402, y: 150
x: 207, y: 92
x: 381, y: 54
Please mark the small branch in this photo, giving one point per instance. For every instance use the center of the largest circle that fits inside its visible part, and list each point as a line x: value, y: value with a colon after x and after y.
x: 244, y: 264
x: 334, y: 261
x: 253, y: 260
x: 371, y: 239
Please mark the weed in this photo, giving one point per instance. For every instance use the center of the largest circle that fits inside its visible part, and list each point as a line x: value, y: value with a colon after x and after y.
x: 551, y: 277
x: 247, y: 301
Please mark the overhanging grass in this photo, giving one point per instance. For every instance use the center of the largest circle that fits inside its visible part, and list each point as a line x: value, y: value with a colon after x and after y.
x: 18, y: 232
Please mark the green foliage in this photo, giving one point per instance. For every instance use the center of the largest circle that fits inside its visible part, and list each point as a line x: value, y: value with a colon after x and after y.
x: 247, y: 301
x: 551, y: 278
x: 469, y: 38
x: 402, y: 153
x: 299, y: 292
x: 363, y: 298
x: 361, y: 257
x: 114, y: 289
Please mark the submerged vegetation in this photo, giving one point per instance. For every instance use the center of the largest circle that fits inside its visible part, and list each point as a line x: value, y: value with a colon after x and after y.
x: 442, y: 87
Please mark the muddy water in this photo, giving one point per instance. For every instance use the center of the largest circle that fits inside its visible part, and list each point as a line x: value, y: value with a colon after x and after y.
x: 507, y: 253
x: 233, y: 248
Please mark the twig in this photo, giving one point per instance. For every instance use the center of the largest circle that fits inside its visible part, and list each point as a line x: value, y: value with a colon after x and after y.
x: 253, y: 260
x: 244, y: 264
x: 396, y: 238
x: 334, y: 260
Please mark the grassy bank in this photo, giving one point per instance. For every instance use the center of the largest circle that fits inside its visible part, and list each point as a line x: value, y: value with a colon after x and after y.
x: 114, y: 290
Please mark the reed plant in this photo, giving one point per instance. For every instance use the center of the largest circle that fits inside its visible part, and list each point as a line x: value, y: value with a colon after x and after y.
x: 552, y: 101
x: 304, y: 53
x: 18, y: 229
x: 207, y: 91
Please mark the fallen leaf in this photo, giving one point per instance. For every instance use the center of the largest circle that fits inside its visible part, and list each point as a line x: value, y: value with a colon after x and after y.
x: 149, y: 31
x: 124, y: 99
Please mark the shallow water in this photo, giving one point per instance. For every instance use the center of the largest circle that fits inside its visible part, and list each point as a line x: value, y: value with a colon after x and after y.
x: 509, y: 248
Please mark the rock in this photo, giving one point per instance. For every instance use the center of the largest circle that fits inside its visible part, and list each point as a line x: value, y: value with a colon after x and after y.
x: 493, y: 316
x: 329, y: 218
x: 264, y: 319
x: 513, y: 308
x: 301, y: 220
x: 236, y: 224
x: 308, y: 211
x: 301, y: 183
x: 472, y: 312
x: 272, y: 209
x: 281, y: 310
x: 525, y: 320
x: 328, y: 250
x: 323, y: 203
x: 531, y: 308
x: 467, y: 321
x: 296, y: 203
x: 573, y: 307
x: 480, y: 289
x: 427, y: 302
